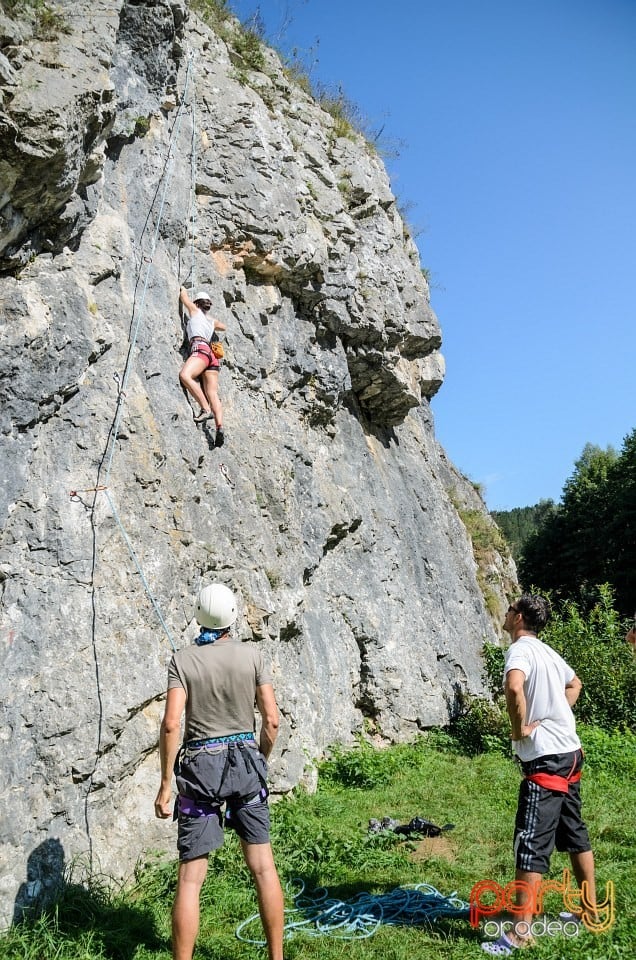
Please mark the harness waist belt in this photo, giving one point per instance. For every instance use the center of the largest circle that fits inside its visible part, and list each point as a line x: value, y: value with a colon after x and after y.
x: 219, y: 741
x: 551, y: 781
x: 189, y: 808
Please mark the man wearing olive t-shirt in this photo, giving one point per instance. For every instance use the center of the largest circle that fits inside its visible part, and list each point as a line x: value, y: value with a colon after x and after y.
x: 220, y: 770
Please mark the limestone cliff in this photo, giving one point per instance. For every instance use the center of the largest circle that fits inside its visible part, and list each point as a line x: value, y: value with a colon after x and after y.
x: 140, y: 149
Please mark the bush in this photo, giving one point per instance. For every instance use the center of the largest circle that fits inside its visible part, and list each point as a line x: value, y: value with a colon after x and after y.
x: 613, y: 753
x: 483, y: 727
x: 594, y: 647
x: 364, y: 766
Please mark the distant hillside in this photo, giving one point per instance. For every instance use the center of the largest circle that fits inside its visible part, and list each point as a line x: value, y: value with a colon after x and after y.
x: 519, y: 524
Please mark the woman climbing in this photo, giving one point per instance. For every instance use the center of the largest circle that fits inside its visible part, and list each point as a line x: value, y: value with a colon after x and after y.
x: 202, y: 361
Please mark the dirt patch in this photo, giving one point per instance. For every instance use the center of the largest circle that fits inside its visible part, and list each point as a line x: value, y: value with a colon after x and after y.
x: 430, y: 847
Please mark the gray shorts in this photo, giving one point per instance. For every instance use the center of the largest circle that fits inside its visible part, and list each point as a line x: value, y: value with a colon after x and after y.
x: 210, y: 778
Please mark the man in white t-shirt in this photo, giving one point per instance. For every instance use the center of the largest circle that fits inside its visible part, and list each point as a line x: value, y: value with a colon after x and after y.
x: 541, y: 689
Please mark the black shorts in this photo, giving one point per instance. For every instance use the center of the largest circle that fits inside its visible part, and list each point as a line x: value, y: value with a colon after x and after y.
x: 547, y: 818
x: 217, y: 778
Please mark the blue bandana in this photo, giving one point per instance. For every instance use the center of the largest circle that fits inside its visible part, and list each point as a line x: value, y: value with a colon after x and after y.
x: 208, y: 636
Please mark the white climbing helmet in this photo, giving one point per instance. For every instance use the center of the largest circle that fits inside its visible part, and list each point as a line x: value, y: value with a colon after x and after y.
x: 216, y: 607
x: 203, y: 295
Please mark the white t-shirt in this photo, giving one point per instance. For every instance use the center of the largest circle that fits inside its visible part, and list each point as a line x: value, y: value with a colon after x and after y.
x: 200, y: 325
x: 546, y: 674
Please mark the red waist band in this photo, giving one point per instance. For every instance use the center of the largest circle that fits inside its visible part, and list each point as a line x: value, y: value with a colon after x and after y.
x: 551, y: 781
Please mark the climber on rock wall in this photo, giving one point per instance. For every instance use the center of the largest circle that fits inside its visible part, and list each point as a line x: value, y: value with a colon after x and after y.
x: 203, y: 361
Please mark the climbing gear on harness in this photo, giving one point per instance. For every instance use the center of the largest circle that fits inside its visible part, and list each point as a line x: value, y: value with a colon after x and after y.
x: 217, y: 348
x: 209, y: 636
x: 259, y: 797
x: 216, y: 606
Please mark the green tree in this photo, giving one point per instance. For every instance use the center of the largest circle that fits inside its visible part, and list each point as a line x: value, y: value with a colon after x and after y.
x: 518, y: 524
x: 570, y: 553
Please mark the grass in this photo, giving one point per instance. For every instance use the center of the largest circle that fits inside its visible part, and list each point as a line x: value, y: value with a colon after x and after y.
x: 323, y: 840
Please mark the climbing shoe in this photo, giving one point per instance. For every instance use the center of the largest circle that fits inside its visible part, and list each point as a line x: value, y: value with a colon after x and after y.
x: 204, y: 416
x: 219, y: 440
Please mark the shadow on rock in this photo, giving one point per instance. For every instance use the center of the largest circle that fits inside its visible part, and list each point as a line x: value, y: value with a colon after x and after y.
x: 72, y: 912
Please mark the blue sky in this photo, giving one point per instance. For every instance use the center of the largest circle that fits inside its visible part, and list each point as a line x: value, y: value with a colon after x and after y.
x: 518, y: 161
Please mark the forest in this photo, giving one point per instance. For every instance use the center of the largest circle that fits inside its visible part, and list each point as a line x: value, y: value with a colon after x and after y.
x: 588, y: 538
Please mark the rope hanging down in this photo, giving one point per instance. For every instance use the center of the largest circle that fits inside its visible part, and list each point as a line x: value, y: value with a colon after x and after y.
x: 107, y: 463
x: 193, y: 192
x: 148, y: 261
x: 318, y: 915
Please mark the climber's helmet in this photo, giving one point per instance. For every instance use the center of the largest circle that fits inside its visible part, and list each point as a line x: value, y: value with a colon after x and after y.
x: 216, y: 607
x: 203, y: 300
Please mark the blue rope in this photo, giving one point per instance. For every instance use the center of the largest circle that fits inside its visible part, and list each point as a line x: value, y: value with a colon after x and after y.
x: 148, y: 259
x: 193, y: 192
x: 110, y: 453
x: 315, y: 914
x: 139, y: 570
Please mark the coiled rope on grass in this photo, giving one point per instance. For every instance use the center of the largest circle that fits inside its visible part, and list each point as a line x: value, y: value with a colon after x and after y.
x: 316, y: 914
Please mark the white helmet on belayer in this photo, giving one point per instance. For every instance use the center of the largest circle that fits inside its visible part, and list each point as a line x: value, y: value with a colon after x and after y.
x: 216, y: 607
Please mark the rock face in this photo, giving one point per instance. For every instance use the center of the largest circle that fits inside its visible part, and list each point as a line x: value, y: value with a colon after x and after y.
x: 141, y: 150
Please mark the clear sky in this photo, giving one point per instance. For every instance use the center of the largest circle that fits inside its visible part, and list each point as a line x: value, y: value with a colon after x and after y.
x: 518, y: 162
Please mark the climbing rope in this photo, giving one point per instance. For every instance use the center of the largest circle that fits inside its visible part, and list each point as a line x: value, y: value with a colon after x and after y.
x: 316, y: 914
x: 147, y: 260
x: 138, y: 315
x: 133, y: 555
x: 193, y: 193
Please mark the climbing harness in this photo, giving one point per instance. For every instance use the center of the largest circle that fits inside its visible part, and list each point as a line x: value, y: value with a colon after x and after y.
x: 552, y: 781
x: 219, y: 741
x: 192, y: 807
x: 316, y: 914
x: 189, y: 808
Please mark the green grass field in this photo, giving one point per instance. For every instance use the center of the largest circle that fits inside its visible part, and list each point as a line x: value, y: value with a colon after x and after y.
x: 323, y: 841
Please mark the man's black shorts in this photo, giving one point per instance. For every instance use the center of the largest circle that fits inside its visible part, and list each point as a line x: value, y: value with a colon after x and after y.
x: 548, y: 818
x: 216, y: 776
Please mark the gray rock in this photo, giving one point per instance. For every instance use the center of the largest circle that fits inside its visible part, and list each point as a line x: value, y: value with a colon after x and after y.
x: 331, y: 510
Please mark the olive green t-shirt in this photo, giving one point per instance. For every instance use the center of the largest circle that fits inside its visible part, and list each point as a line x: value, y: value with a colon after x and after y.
x: 220, y: 681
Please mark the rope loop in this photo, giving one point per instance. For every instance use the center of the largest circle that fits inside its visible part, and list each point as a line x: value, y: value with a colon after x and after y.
x: 316, y: 914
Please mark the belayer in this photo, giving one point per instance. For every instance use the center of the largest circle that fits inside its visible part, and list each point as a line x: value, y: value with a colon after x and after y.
x: 204, y: 360
x: 216, y: 682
